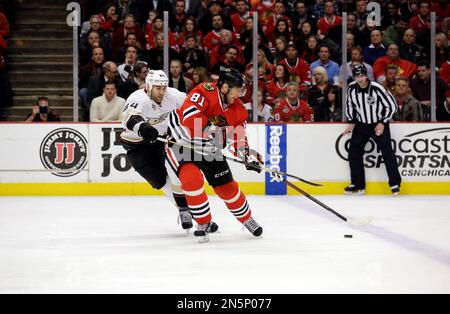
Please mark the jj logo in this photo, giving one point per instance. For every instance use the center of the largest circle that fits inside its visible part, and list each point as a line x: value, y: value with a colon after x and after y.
x: 64, y: 151
x: 69, y: 148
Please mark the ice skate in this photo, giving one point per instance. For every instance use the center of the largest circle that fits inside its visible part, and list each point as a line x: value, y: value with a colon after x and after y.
x: 253, y: 227
x: 185, y: 218
x: 353, y: 190
x: 203, y: 231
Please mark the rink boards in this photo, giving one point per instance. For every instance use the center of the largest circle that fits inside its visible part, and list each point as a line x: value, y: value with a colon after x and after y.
x: 87, y: 159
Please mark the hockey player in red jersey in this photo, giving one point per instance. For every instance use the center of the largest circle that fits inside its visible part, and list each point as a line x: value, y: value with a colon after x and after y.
x: 212, y: 106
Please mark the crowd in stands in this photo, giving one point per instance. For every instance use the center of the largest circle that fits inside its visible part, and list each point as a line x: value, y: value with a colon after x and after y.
x: 300, y: 74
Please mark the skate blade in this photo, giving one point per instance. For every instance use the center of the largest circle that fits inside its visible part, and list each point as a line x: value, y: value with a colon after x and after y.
x: 203, y: 239
x: 361, y: 192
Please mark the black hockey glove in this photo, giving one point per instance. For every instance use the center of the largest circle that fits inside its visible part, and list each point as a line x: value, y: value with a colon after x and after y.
x: 252, y: 158
x: 148, y: 133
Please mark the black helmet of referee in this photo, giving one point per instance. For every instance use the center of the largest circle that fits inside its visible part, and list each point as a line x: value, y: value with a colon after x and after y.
x: 359, y: 69
x: 230, y: 76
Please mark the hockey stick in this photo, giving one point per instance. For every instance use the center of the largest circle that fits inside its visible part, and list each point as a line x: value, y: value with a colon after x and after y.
x: 265, y: 169
x: 356, y: 223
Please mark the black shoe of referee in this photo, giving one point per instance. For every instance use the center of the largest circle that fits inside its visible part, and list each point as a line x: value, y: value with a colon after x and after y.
x: 354, y: 190
x: 395, y: 189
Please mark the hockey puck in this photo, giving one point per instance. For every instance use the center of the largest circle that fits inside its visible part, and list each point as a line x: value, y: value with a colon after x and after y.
x: 348, y: 236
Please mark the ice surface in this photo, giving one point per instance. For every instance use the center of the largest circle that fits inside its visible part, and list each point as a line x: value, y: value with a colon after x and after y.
x: 133, y: 244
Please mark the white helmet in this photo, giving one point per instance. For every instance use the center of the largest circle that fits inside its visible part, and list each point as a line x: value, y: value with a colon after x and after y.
x: 155, y: 78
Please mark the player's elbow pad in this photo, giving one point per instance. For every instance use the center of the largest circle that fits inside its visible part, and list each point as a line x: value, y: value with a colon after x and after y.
x: 133, y: 120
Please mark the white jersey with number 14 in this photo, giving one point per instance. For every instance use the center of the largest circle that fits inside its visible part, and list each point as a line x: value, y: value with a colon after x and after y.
x: 139, y: 103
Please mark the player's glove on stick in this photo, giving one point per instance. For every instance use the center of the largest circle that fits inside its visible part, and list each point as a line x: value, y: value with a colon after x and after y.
x: 252, y: 158
x: 148, y: 133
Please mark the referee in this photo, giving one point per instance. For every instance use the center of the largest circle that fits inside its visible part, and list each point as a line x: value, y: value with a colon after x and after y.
x: 369, y: 108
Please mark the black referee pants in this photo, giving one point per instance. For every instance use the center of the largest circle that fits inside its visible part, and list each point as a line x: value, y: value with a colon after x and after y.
x: 362, y: 133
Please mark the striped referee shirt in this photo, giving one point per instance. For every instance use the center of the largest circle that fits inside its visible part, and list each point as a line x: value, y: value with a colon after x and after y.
x: 369, y: 105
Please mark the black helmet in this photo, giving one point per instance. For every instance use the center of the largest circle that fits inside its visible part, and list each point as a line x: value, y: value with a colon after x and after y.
x: 230, y: 76
x: 359, y: 69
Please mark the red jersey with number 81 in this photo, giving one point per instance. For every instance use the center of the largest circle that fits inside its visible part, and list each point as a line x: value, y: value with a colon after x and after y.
x: 203, y: 106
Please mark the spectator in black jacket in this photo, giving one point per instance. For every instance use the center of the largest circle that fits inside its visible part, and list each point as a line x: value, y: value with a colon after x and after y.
x: 192, y: 56
x: 42, y: 113
x: 93, y: 68
x: 421, y: 88
x: 97, y: 83
x: 105, y: 37
x: 135, y: 81
x: 130, y: 40
x: 156, y: 55
x: 409, y: 50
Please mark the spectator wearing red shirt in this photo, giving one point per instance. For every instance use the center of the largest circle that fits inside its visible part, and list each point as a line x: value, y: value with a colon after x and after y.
x: 248, y: 74
x: 230, y: 61
x: 149, y: 24
x: 422, y: 21
x: 330, y: 19
x: 277, y: 14
x: 265, y: 10
x: 442, y: 10
x: 189, y: 28
x: 238, y: 19
x: 158, y: 25
x: 3, y: 47
x: 405, y: 68
x: 265, y: 68
x: 292, y: 108
x: 212, y: 39
x: 5, y: 84
x: 108, y: 18
x: 217, y: 54
x: 276, y: 88
x: 4, y: 26
x: 297, y: 67
x: 444, y: 73
x: 119, y: 35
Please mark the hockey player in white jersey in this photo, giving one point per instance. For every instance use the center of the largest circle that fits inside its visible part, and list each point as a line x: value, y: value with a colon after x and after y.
x: 144, y: 119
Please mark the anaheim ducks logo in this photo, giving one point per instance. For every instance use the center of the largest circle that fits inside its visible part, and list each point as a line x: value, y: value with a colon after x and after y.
x: 219, y: 121
x: 155, y: 121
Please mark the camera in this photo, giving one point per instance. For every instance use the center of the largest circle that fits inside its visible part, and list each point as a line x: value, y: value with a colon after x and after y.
x: 43, y: 109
